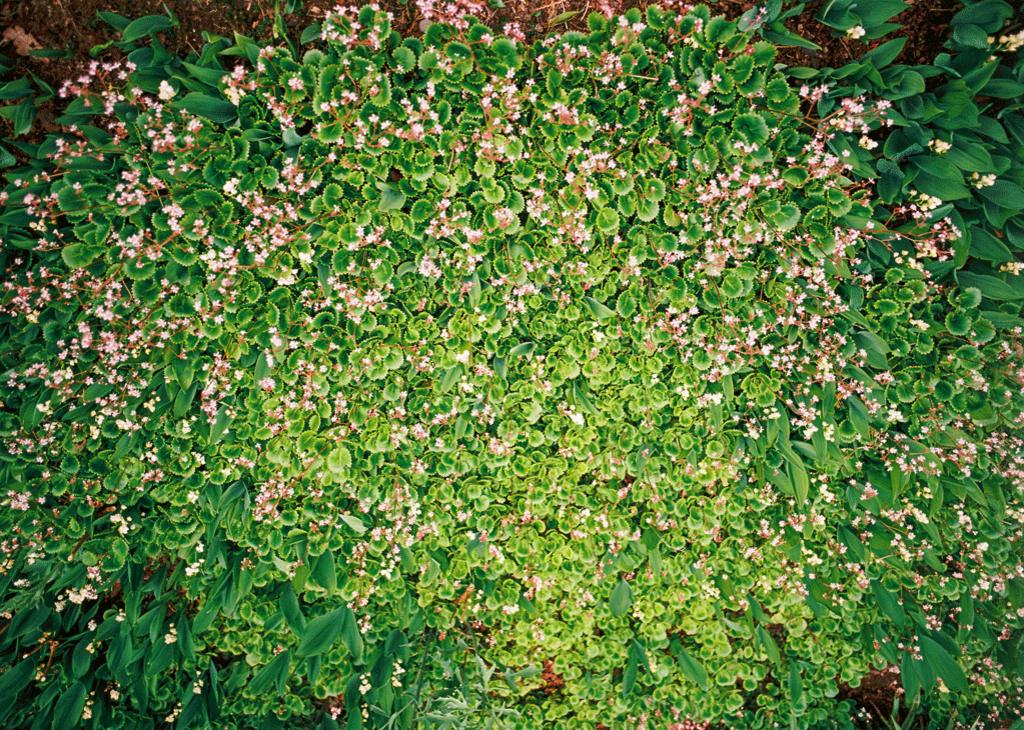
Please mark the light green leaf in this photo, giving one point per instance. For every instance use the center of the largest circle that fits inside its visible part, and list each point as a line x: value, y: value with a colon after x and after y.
x: 339, y: 460
x: 599, y: 310
x: 692, y: 668
x: 390, y: 197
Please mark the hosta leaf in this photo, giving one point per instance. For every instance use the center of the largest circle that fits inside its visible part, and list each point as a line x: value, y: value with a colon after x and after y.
x: 322, y: 632
x: 145, y: 26
x: 68, y: 710
x: 692, y: 668
x: 354, y: 523
x: 621, y: 599
x: 391, y: 198
x: 599, y: 310
x: 209, y: 107
x: 274, y: 674
x: 943, y: 664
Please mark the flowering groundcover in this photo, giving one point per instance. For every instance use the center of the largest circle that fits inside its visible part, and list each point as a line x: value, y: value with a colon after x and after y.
x: 455, y: 381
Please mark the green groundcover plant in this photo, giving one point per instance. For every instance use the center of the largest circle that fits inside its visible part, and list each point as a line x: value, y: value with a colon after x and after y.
x: 453, y: 381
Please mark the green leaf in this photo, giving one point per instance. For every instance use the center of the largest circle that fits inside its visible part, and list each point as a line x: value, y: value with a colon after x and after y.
x: 692, y: 668
x: 771, y: 648
x: 80, y: 255
x: 987, y: 247
x: 209, y: 76
x: 274, y: 673
x: 943, y: 664
x: 324, y: 572
x: 888, y: 603
x: 607, y: 221
x: 939, y: 178
x: 991, y: 287
x: 910, y: 677
x: 68, y: 710
x: 291, y: 610
x: 523, y: 349
x: 599, y: 310
x: 219, y: 111
x: 321, y: 632
x: 752, y: 128
x: 796, y: 686
x: 145, y: 26
x: 405, y: 59
x: 6, y: 158
x: 220, y: 425
x: 801, y: 481
x: 114, y: 20
x: 390, y: 197
x: 354, y: 523
x: 21, y: 117
x: 1004, y: 193
x: 563, y: 17
x: 970, y: 36
x: 875, y: 347
x: 622, y: 599
x: 339, y: 460
x: 422, y: 211
x: 183, y: 400
x: 351, y: 636
x: 886, y: 53
x: 15, y: 679
x: 784, y: 217
x: 451, y: 376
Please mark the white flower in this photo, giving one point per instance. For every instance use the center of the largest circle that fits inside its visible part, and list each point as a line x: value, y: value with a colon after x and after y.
x: 167, y: 91
x: 856, y: 32
x: 867, y: 143
x: 926, y: 202
x: 1010, y: 43
x: 940, y: 146
x: 982, y: 181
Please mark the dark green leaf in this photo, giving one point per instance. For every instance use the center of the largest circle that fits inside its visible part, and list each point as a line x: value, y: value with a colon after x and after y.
x: 321, y: 632
x: 216, y: 110
x: 944, y: 665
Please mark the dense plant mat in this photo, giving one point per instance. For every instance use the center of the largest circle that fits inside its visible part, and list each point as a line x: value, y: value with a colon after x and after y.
x: 454, y: 381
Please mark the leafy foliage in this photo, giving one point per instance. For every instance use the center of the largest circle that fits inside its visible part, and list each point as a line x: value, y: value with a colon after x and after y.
x: 397, y: 382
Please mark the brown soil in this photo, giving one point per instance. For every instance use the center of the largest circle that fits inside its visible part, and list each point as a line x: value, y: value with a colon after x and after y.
x: 876, y: 693
x: 553, y: 681
x: 74, y: 26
